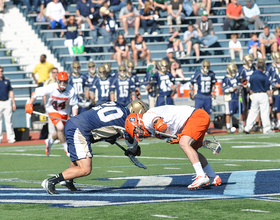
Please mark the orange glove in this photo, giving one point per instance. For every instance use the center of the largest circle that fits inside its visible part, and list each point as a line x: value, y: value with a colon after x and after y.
x: 175, y: 140
x: 28, y: 108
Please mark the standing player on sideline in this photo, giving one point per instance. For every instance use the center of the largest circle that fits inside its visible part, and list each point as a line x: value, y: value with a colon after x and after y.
x: 230, y: 90
x: 103, y: 122
x: 205, y: 80
x: 60, y: 96
x: 190, y: 126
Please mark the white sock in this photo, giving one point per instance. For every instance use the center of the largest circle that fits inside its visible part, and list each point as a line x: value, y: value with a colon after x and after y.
x: 209, y: 171
x: 198, y: 169
x: 51, y: 141
x: 65, y: 146
x: 278, y: 123
x: 228, y: 125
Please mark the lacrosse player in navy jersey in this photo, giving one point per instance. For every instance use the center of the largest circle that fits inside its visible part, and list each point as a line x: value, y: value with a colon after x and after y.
x: 103, y: 122
x: 165, y: 80
x: 205, y: 80
x: 230, y: 90
x: 91, y: 76
x: 100, y: 89
x: 78, y: 82
x: 134, y: 78
x: 122, y: 87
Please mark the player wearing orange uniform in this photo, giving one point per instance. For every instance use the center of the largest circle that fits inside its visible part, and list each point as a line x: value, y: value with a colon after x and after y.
x: 60, y: 98
x: 188, y: 124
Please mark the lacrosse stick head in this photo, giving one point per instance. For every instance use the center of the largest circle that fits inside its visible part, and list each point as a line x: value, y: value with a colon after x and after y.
x: 214, y: 146
x: 135, y: 127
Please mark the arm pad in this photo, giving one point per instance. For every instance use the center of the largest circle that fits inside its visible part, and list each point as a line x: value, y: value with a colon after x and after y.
x: 159, y: 125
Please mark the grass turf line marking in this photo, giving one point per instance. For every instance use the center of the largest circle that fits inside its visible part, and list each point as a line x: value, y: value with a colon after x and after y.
x: 252, y: 210
x: 114, y: 171
x: 164, y: 216
x: 232, y: 165
x: 172, y: 168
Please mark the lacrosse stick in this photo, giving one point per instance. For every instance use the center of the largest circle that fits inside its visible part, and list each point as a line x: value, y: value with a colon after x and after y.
x: 214, y: 146
x: 132, y: 158
x: 46, y: 115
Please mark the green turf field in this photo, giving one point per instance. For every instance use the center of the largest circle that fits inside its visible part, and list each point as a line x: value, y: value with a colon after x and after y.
x: 23, y: 168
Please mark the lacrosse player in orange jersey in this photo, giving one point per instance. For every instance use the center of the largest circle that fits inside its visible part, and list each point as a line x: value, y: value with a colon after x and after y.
x: 188, y: 126
x: 60, y: 98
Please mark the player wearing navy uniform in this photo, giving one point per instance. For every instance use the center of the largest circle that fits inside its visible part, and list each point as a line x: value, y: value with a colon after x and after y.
x: 205, y: 80
x: 103, y: 122
x: 79, y: 82
x: 230, y: 90
x: 151, y: 84
x: 165, y: 80
x: 6, y: 92
x: 91, y: 76
x: 100, y: 89
x: 133, y: 76
x: 122, y: 87
x: 261, y: 97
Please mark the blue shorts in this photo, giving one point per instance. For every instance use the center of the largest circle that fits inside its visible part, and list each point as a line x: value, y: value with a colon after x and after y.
x: 232, y: 107
x: 277, y: 103
x: 203, y: 102
x: 164, y: 100
x: 78, y: 142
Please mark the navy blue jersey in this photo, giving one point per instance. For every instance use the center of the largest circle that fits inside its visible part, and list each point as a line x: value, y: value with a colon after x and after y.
x: 5, y: 87
x: 259, y: 82
x: 204, y: 82
x: 149, y: 79
x: 123, y: 89
x: 102, y: 88
x: 272, y: 71
x: 90, y: 79
x: 164, y: 83
x: 111, y: 24
x: 71, y: 32
x: 106, y: 121
x: 79, y: 83
x: 229, y: 82
x: 134, y: 78
x: 84, y: 8
x: 244, y: 73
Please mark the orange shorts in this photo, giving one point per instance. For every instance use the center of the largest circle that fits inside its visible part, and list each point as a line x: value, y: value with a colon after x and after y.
x: 196, y: 127
x: 57, y: 115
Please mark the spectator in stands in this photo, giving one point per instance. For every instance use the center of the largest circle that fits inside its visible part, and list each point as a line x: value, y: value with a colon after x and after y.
x: 187, y: 6
x: 148, y: 18
x: 96, y: 22
x: 160, y: 5
x: 176, y: 43
x: 2, y: 6
x: 116, y: 5
x: 122, y: 49
x: 111, y: 25
x: 201, y: 4
x: 98, y: 3
x: 192, y: 41
x: 205, y: 29
x: 235, y: 16
x: 140, y: 50
x: 51, y: 127
x: 83, y: 9
x: 268, y: 42
x: 130, y: 18
x: 43, y: 69
x: 30, y: 9
x: 252, y: 13
x: 43, y: 8
x: 235, y: 48
x: 174, y: 11
x: 174, y: 64
x: 277, y: 32
x: 142, y: 3
x: 6, y: 96
x: 73, y: 41
x: 56, y: 14
x: 254, y: 46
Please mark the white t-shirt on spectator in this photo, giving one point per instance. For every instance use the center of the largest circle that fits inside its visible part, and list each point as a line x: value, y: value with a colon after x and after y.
x: 234, y: 45
x: 56, y: 11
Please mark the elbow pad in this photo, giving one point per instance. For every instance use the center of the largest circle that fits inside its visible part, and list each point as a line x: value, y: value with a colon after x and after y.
x: 159, y: 125
x: 230, y: 89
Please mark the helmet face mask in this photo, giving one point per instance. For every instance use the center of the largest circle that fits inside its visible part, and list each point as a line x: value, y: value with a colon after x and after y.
x: 232, y: 70
x: 248, y: 60
x: 76, y: 67
x: 102, y: 73
x: 91, y: 68
x: 205, y: 67
x: 130, y: 68
x: 122, y: 72
x: 107, y: 67
x: 274, y: 56
x: 137, y: 106
x: 62, y: 80
x: 163, y: 66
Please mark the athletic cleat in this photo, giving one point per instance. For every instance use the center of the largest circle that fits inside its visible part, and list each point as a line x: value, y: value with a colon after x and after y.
x: 199, y: 181
x: 49, y: 187
x: 215, y: 181
x: 48, y: 147
x: 69, y: 184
